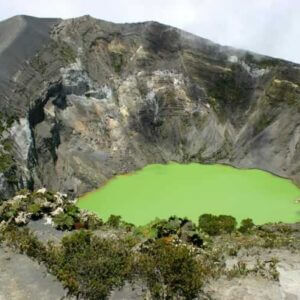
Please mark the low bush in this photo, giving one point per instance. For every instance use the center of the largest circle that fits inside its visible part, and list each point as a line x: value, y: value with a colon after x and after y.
x: 227, y: 223
x: 90, y: 266
x: 215, y: 225
x: 24, y: 241
x: 246, y: 226
x: 36, y: 210
x: 114, y: 221
x: 171, y: 271
x: 169, y: 227
x: 67, y: 219
x: 171, y: 268
x: 182, y: 228
x: 91, y: 221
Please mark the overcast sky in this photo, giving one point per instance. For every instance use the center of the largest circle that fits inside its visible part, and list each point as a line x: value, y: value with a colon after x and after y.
x: 270, y: 27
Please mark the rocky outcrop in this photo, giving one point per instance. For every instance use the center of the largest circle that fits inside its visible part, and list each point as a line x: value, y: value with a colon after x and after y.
x: 252, y: 287
x: 21, y: 37
x: 37, y: 284
x: 102, y: 99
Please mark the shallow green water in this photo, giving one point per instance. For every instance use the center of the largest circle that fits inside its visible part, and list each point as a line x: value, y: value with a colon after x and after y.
x: 159, y: 191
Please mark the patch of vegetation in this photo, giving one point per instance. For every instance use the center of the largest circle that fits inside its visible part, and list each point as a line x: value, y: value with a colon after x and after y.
x: 6, y: 162
x: 67, y: 53
x: 66, y: 215
x: 39, y: 64
x: 66, y: 220
x: 275, y: 239
x: 283, y: 91
x: 7, y: 145
x: 147, y: 231
x: 171, y: 271
x: 22, y: 240
x: 114, y: 221
x: 6, y: 121
x: 272, y: 236
x: 261, y: 62
x: 215, y: 225
x: 90, y: 221
x: 117, y: 61
x: 246, y: 226
x: 261, y: 268
x: 173, y: 258
x: 181, y: 228
x: 35, y: 210
x: 231, y: 87
x: 262, y: 123
x: 89, y: 266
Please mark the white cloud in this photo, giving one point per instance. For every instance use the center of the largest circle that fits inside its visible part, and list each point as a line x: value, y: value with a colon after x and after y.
x: 270, y: 27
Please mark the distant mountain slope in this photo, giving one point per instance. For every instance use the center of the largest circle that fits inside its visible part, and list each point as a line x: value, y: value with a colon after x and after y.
x: 20, y: 38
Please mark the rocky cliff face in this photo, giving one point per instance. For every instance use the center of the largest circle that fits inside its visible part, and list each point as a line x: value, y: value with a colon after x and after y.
x: 91, y: 99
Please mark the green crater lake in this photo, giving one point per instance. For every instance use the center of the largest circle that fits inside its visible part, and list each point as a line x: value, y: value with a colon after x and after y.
x: 159, y: 191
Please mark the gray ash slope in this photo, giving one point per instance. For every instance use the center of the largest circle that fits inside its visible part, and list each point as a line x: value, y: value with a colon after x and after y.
x: 85, y: 99
x: 21, y: 37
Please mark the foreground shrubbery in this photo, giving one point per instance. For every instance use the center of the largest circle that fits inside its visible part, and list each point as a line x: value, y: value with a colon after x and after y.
x: 87, y: 265
x: 90, y: 267
x: 173, y: 257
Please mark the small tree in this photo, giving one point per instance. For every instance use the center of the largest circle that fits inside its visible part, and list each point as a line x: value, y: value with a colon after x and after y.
x: 246, y: 225
x: 114, y: 221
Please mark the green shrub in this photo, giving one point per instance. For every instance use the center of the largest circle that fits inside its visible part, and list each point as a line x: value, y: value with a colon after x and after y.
x: 35, y: 210
x: 114, y: 221
x: 166, y: 228
x: 209, y: 224
x: 215, y: 225
x: 7, y: 145
x: 117, y: 61
x: 6, y: 162
x: 9, y: 211
x: 67, y: 53
x: 238, y: 270
x: 89, y: 266
x: 67, y: 219
x: 227, y: 223
x: 24, y: 240
x: 181, y: 228
x: 93, y: 222
x: 246, y: 226
x: 63, y: 221
x: 171, y: 271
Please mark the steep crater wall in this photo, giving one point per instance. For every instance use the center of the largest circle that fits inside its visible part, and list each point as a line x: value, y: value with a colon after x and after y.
x: 102, y: 99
